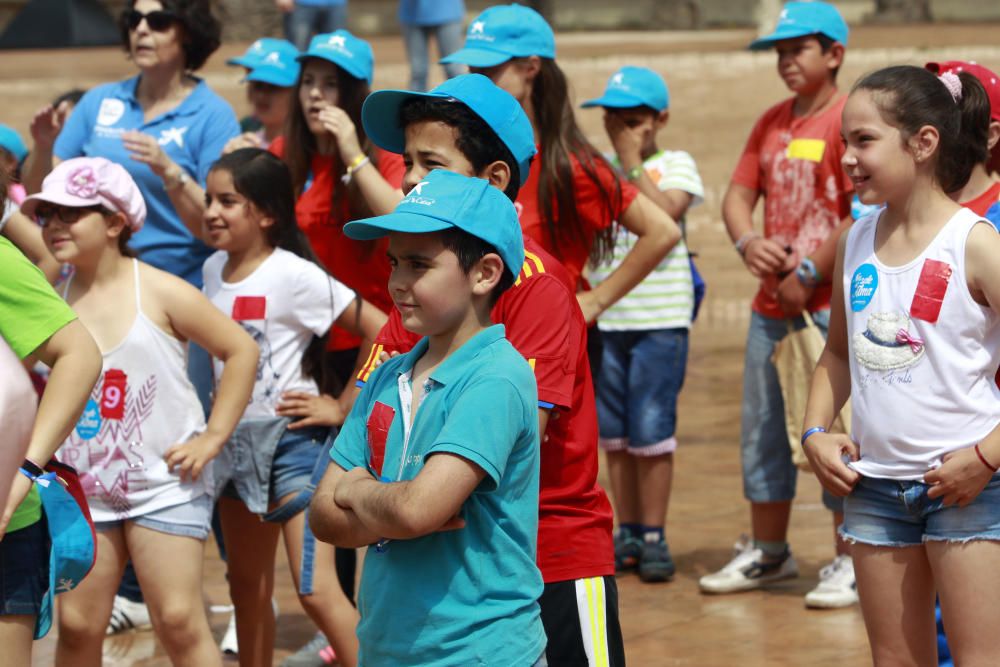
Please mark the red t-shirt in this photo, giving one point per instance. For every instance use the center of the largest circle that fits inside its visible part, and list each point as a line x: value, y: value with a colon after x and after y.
x: 593, y: 212
x: 545, y: 324
x: 361, y: 265
x: 983, y: 202
x: 794, y: 162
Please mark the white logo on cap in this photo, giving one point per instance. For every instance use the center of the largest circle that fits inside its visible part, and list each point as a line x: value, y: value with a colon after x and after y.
x: 618, y: 80
x: 336, y: 40
x: 111, y: 111
x: 257, y: 46
x: 173, y: 134
x: 274, y: 58
x: 419, y: 187
x: 415, y: 195
x: 478, y: 26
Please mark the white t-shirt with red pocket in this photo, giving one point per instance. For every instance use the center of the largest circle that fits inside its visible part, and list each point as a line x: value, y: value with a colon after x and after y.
x: 284, y: 303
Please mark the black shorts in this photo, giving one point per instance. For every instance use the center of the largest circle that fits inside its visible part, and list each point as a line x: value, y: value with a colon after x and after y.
x: 581, y: 622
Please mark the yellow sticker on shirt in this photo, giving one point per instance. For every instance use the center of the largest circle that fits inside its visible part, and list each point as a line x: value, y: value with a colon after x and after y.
x: 806, y: 149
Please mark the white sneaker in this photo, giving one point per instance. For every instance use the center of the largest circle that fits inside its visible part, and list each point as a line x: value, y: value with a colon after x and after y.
x: 127, y: 615
x: 748, y: 570
x: 228, y: 645
x: 836, y: 588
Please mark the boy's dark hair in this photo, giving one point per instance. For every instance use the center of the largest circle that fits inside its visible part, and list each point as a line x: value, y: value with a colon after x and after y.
x: 475, y: 139
x: 470, y: 249
x: 265, y: 182
x: 201, y: 34
x: 825, y: 44
x: 911, y: 97
x: 639, y: 108
x: 73, y: 96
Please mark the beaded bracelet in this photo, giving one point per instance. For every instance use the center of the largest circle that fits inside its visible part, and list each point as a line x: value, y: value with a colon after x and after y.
x: 985, y: 462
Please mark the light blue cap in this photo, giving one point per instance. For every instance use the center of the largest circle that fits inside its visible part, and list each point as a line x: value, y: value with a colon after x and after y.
x: 350, y: 53
x: 504, y: 32
x: 11, y: 140
x: 799, y: 19
x: 257, y: 51
x: 633, y: 87
x: 445, y: 200
x: 497, y: 108
x: 278, y: 68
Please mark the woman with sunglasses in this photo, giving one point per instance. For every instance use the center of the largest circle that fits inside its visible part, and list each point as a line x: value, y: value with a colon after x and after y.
x: 165, y: 126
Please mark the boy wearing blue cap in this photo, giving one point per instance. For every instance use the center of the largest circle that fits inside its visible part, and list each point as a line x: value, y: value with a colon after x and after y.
x: 645, y: 334
x: 792, y: 160
x: 443, y: 479
x: 471, y: 126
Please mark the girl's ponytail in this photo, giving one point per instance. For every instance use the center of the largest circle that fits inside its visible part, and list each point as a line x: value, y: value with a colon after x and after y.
x: 970, y: 147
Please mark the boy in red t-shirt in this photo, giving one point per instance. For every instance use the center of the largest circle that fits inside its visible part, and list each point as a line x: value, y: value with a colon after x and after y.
x: 792, y: 159
x: 470, y: 126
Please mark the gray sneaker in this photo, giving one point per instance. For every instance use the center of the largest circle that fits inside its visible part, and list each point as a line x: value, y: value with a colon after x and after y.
x: 316, y: 653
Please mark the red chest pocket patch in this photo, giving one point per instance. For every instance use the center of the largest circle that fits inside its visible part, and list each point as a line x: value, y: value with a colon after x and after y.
x: 379, y: 422
x: 249, y: 308
x: 931, y: 288
x: 113, y: 394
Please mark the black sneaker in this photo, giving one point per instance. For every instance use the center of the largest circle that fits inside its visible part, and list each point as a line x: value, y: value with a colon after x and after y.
x: 627, y: 552
x: 655, y: 563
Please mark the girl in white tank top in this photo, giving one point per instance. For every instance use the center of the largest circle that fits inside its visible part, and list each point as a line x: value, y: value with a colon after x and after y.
x: 914, y: 341
x: 142, y: 444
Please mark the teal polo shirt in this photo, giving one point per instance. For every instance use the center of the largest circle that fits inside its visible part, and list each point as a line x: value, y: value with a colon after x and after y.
x: 469, y: 596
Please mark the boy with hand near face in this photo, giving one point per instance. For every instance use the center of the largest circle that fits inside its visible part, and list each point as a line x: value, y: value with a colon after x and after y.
x: 437, y: 464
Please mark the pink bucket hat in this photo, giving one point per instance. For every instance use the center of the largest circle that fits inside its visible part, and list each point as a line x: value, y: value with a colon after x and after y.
x: 91, y: 181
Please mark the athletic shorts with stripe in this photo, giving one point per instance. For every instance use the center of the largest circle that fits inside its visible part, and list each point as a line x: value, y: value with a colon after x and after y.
x: 581, y: 622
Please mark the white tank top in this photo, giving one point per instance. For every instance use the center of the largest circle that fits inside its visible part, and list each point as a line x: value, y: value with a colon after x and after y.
x: 923, y: 353
x: 142, y: 406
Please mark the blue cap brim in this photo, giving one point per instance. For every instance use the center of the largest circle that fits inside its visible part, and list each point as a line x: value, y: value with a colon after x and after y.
x: 768, y: 41
x: 615, y: 100
x: 409, y: 223
x: 275, y: 78
x: 241, y: 62
x: 476, y: 58
x: 348, y: 67
x: 380, y: 118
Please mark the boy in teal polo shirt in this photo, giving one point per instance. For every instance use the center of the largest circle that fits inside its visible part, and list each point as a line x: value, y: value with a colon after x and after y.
x: 443, y: 479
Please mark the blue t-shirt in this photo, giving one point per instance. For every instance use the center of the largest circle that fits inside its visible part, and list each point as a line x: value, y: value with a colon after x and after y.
x: 193, y: 135
x: 469, y: 596
x: 431, y: 12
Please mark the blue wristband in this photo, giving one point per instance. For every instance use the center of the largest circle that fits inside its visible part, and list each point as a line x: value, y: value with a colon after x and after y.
x: 28, y: 474
x: 813, y: 430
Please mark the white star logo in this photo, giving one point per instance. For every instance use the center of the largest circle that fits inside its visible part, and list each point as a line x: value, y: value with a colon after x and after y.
x: 477, y: 27
x: 257, y: 46
x: 174, y: 134
x: 616, y: 80
x: 273, y: 58
x: 419, y: 187
x: 65, y: 585
x: 336, y: 40
x: 783, y: 15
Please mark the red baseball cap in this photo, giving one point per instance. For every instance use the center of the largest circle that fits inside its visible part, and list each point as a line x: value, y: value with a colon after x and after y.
x: 990, y: 81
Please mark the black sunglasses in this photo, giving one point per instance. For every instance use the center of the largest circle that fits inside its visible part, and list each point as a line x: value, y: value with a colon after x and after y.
x: 158, y: 21
x: 67, y: 215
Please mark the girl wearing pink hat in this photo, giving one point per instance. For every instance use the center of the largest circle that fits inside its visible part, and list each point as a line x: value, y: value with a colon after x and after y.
x: 142, y: 444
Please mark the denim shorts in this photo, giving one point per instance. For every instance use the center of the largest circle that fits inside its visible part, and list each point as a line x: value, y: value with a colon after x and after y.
x: 769, y: 475
x: 640, y: 378
x: 898, y: 513
x: 24, y: 570
x: 190, y: 519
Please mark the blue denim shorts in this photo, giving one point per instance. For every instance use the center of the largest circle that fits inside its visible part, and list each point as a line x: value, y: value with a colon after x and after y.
x: 769, y: 475
x: 641, y: 375
x: 898, y: 513
x: 190, y: 519
x: 24, y: 570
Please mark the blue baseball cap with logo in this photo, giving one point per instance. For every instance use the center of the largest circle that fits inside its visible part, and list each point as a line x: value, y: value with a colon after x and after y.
x: 497, y: 108
x: 446, y: 200
x: 633, y: 87
x: 278, y: 68
x: 71, y: 533
x: 11, y: 141
x: 800, y: 19
x: 350, y: 53
x: 504, y: 32
x: 256, y: 52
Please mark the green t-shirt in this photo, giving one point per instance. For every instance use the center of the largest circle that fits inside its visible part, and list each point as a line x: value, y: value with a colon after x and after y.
x: 30, y: 312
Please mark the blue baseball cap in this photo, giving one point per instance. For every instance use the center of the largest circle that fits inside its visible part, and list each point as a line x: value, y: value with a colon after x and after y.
x: 352, y: 54
x: 504, y: 32
x: 257, y: 51
x: 633, y: 87
x: 497, y: 108
x: 11, y: 140
x: 278, y: 68
x: 444, y: 200
x: 71, y: 533
x: 799, y: 19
